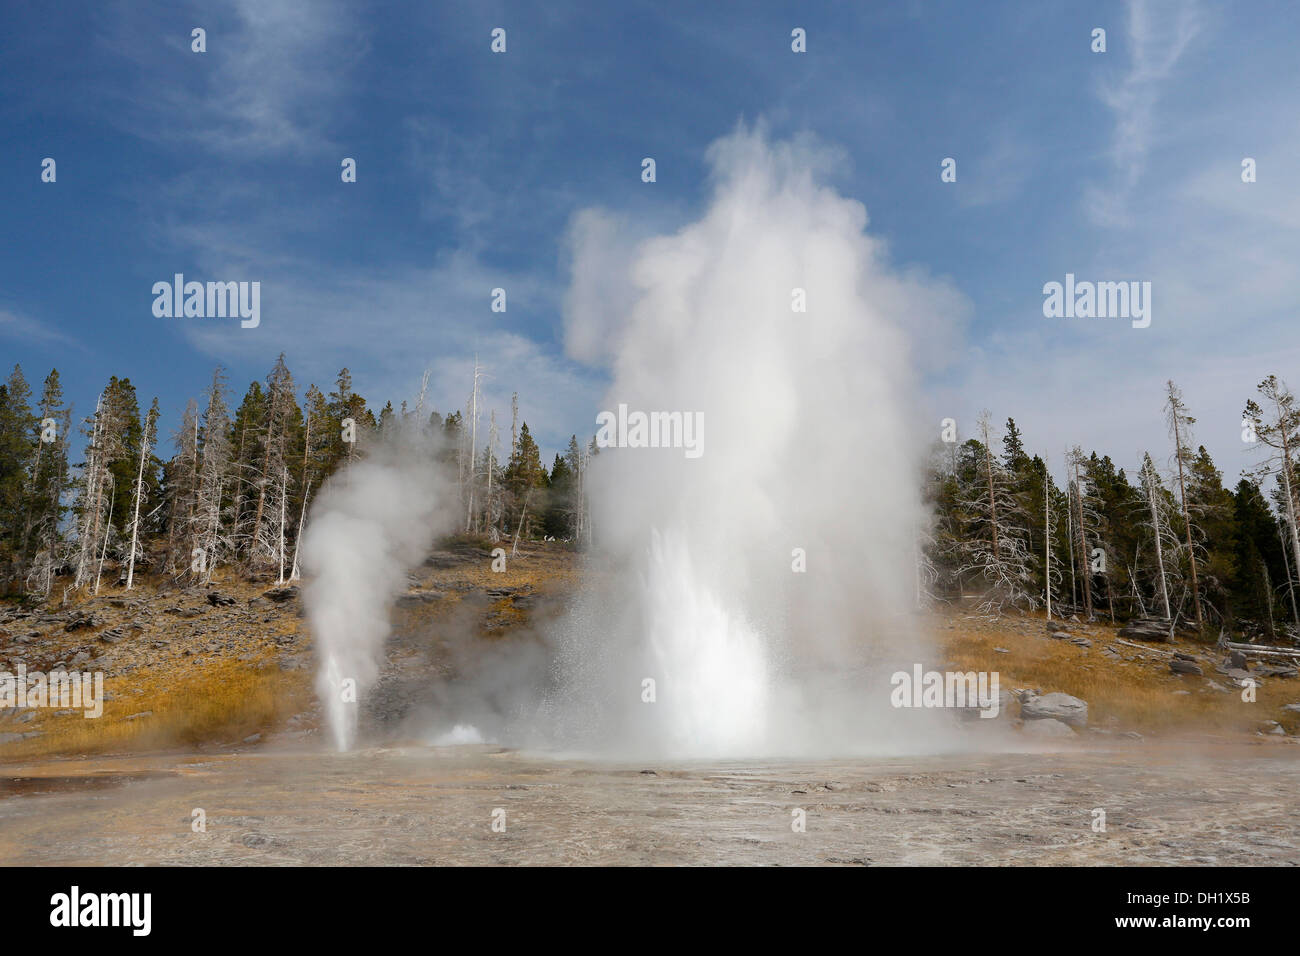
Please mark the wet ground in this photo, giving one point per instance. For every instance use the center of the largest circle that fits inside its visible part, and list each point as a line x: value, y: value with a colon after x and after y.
x: 1164, y: 804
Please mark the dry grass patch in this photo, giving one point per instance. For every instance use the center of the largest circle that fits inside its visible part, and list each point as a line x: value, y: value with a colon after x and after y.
x: 1140, y: 696
x: 221, y: 701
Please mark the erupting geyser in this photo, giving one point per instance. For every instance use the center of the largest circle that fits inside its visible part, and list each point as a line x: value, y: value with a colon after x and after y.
x: 752, y: 585
x: 368, y: 525
x: 775, y: 321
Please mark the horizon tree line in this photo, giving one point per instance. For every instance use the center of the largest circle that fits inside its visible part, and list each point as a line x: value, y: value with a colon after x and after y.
x: 236, y: 491
x: 1178, y: 546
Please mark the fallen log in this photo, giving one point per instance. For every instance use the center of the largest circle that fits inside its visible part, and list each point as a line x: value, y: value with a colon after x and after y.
x: 1258, y: 650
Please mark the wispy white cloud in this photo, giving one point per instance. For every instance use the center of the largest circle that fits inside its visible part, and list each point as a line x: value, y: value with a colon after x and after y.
x: 1159, y: 32
x: 389, y: 325
x: 23, y: 328
x: 272, y: 80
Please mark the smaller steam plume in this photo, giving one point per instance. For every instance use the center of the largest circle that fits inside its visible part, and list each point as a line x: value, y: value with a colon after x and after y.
x: 369, y: 524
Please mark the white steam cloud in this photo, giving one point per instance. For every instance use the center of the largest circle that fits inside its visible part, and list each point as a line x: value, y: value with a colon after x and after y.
x: 812, y: 444
x: 750, y: 601
x: 369, y: 524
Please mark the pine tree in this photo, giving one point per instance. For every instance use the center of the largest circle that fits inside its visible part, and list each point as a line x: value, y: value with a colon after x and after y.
x: 524, y: 474
x: 283, y: 419
x: 1276, y: 424
x: 1259, y: 556
x: 123, y: 409
x: 346, y: 405
x: 558, y: 518
x: 17, y: 451
x: 997, y: 548
x: 248, y: 438
x: 1211, y: 507
x: 42, y: 541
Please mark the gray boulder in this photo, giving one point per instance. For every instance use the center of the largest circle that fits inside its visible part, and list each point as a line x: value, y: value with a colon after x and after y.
x: 1055, y: 706
x: 1047, y: 727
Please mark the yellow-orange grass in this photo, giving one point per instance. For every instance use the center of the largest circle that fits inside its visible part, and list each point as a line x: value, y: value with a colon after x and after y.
x: 1140, y: 696
x: 221, y: 701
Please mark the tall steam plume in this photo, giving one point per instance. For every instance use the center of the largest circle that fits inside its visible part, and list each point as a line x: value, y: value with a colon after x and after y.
x: 369, y: 524
x: 810, y: 442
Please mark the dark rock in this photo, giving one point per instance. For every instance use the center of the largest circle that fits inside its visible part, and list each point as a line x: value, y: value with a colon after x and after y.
x: 415, y: 598
x: 1277, y: 670
x: 1148, y: 629
x: 1180, y: 666
x: 280, y: 595
x: 217, y: 599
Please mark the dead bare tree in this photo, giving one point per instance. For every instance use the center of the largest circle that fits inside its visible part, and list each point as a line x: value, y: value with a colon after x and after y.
x: 1280, y: 431
x: 213, y: 472
x: 1154, y: 490
x: 146, y: 442
x: 1084, y: 517
x: 998, y: 550
x: 1180, y: 424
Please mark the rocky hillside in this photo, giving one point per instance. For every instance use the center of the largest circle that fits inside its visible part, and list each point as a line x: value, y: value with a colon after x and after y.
x: 231, y: 665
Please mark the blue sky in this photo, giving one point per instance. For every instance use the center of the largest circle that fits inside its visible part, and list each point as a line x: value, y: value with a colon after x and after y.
x: 471, y: 166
